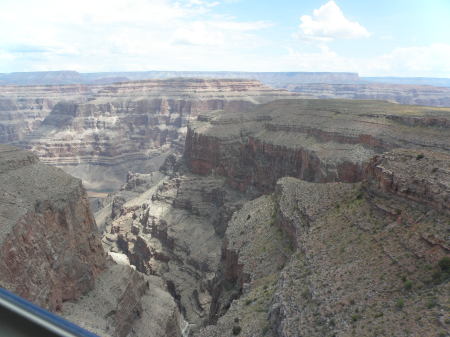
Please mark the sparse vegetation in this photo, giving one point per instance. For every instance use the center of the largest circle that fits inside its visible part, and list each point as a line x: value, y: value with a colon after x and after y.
x: 444, y: 264
x: 431, y: 303
x: 356, y: 317
x: 420, y: 156
x: 408, y: 285
x: 400, y: 303
x: 442, y: 272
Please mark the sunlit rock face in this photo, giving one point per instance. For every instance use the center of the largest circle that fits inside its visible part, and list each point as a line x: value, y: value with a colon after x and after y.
x: 99, y: 132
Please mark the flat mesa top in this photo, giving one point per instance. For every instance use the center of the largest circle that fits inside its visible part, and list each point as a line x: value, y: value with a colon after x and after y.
x: 334, y: 129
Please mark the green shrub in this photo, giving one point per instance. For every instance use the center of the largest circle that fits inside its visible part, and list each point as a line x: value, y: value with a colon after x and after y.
x: 444, y: 264
x: 400, y: 303
x: 356, y: 317
x: 236, y: 330
x: 431, y: 303
x: 420, y: 156
x: 408, y: 284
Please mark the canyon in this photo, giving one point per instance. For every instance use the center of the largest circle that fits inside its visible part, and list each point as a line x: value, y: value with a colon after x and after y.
x: 100, y: 132
x: 233, y: 208
x: 246, y: 251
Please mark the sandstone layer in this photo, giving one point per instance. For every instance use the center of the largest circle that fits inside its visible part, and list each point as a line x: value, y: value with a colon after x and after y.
x: 314, y: 140
x: 51, y: 254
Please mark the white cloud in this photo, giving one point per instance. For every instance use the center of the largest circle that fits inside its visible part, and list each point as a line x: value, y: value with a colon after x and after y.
x: 431, y: 60
x: 328, y: 23
x: 223, y: 33
x: 104, y: 35
x: 114, y: 35
x: 413, y: 61
x: 198, y: 33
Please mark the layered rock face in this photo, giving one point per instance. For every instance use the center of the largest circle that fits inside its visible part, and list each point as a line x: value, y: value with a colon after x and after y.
x: 314, y: 140
x: 422, y: 91
x: 338, y: 259
x: 51, y: 254
x: 22, y: 109
x: 399, y: 93
x: 99, y: 132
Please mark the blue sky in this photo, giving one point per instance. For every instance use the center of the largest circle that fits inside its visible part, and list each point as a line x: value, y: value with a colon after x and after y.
x: 374, y: 38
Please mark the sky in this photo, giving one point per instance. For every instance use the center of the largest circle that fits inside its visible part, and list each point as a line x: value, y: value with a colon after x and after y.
x: 372, y: 37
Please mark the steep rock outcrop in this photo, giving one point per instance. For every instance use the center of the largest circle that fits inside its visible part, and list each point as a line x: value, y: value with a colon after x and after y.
x: 357, y: 259
x: 47, y: 232
x: 51, y: 254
